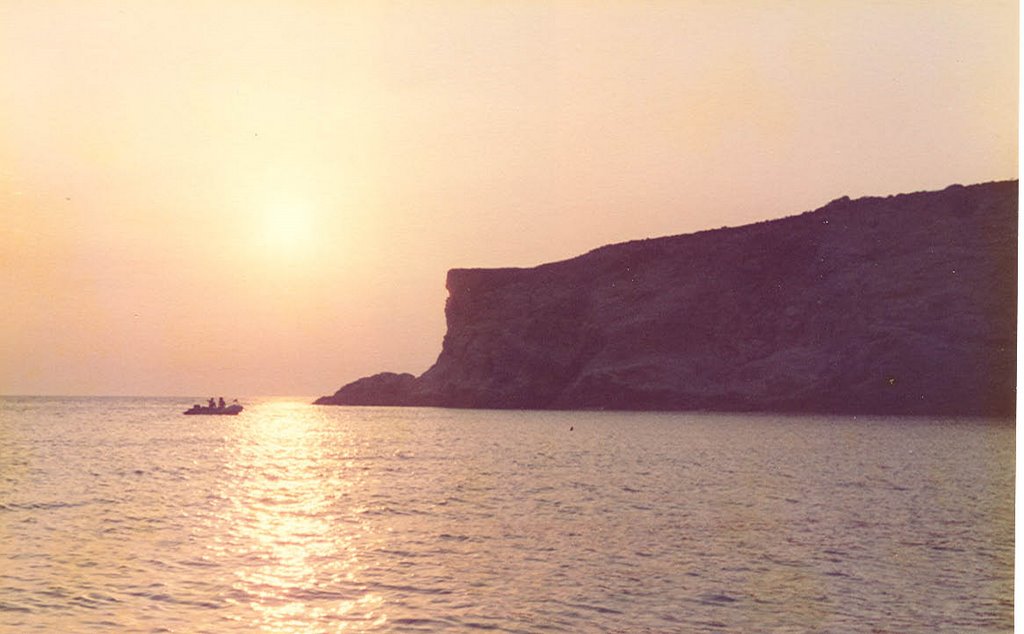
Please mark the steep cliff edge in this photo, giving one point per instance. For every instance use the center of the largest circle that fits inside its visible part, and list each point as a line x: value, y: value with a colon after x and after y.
x: 896, y: 305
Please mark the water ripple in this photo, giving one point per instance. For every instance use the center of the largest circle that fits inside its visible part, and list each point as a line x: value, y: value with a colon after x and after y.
x: 298, y: 518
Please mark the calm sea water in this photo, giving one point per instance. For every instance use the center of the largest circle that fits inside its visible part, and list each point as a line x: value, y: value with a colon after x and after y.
x: 122, y: 515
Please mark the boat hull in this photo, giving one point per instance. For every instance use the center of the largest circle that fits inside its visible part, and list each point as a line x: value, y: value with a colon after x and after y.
x: 231, y: 410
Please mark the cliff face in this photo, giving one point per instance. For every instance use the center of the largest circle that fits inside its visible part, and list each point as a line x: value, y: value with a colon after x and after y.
x: 897, y: 305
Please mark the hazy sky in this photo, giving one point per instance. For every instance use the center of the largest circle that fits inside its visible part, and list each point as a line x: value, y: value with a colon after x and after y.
x: 258, y: 197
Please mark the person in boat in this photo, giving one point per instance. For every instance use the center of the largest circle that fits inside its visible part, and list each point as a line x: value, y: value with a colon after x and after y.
x: 210, y: 403
x: 220, y: 402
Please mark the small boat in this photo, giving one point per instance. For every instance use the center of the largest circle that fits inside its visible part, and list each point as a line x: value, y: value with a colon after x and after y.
x: 199, y: 410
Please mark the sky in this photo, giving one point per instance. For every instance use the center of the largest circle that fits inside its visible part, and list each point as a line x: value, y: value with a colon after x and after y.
x: 250, y: 197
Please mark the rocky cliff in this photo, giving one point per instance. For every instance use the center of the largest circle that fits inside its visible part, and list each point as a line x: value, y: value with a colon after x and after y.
x: 896, y: 305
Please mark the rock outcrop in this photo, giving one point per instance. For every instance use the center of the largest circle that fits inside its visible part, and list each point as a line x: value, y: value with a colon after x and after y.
x: 897, y: 305
x: 386, y: 387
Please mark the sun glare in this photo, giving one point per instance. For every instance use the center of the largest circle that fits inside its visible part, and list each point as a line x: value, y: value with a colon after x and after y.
x: 288, y: 229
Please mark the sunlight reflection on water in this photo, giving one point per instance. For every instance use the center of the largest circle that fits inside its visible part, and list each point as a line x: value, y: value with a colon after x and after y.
x: 287, y: 497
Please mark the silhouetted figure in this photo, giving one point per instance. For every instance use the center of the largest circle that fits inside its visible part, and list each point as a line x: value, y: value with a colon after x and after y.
x: 220, y: 402
x: 210, y: 403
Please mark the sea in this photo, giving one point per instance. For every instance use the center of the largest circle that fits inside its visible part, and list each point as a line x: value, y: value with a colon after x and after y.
x: 122, y: 515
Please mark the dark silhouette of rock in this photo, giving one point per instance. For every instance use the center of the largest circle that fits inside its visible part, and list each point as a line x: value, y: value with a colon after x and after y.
x: 384, y: 388
x: 897, y: 305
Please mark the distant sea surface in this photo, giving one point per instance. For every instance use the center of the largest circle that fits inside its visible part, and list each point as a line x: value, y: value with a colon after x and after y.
x: 122, y: 515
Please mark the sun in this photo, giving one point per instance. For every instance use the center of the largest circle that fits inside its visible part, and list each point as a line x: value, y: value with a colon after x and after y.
x: 288, y: 229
